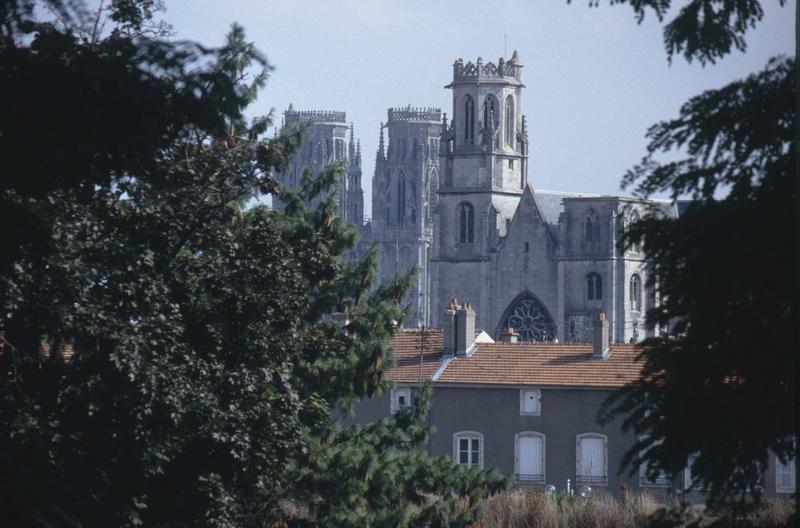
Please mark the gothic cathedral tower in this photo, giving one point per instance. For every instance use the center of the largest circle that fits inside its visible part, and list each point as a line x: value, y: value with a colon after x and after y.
x: 483, y: 162
x: 325, y: 143
x: 403, y: 198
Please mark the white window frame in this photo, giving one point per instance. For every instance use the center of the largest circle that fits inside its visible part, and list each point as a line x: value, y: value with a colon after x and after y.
x: 394, y: 404
x: 687, y: 476
x: 522, y: 394
x: 530, y: 479
x: 471, y: 435
x: 792, y: 465
x: 587, y: 479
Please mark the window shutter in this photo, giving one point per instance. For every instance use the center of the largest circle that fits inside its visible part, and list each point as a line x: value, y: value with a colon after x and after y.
x: 530, y: 402
x: 530, y: 455
x: 592, y: 455
x: 786, y: 475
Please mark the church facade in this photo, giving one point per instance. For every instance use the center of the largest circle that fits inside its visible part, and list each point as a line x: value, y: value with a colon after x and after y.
x: 453, y: 199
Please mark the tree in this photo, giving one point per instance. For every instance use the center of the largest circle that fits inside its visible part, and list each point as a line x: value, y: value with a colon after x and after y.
x: 723, y: 270
x: 705, y: 30
x: 722, y: 386
x: 206, y: 368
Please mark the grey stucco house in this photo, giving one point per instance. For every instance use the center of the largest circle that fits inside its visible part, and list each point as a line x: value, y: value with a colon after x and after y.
x: 529, y: 409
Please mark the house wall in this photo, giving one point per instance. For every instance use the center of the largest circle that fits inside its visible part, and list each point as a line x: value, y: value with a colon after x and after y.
x: 495, y: 413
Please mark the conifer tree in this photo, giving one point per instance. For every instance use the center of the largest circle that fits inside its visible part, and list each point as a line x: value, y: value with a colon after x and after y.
x: 206, y: 373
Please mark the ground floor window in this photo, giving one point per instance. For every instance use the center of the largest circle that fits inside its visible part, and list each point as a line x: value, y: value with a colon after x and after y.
x: 592, y: 459
x: 785, y: 476
x: 530, y: 457
x: 468, y: 448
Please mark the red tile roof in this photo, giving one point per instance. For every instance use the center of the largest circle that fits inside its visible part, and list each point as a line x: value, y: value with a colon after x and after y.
x: 525, y: 363
x: 407, y: 345
x: 528, y: 363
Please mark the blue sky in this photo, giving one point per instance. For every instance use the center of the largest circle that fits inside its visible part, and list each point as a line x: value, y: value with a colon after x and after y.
x: 596, y: 80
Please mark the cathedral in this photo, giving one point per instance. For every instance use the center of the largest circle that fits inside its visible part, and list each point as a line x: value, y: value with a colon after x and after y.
x: 453, y: 199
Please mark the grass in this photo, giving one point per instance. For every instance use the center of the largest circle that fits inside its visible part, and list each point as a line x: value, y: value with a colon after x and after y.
x: 518, y: 509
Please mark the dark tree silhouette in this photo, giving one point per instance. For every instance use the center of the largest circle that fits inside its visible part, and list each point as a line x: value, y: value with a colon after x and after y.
x: 722, y: 386
x: 204, y: 369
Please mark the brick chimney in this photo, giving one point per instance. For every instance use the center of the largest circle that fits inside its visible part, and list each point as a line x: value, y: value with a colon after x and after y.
x: 600, y: 348
x: 508, y: 335
x: 464, y: 329
x: 449, y: 328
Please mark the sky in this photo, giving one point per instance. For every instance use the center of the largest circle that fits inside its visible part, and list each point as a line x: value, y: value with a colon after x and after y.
x: 595, y: 79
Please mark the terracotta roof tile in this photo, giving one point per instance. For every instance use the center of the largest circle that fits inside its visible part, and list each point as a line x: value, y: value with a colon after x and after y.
x: 407, y: 345
x: 569, y: 365
x: 544, y: 364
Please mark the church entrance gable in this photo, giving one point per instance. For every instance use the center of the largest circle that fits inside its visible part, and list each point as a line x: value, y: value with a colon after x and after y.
x: 530, y: 318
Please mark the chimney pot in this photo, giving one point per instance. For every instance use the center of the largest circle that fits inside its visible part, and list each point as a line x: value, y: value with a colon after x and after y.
x: 449, y: 328
x: 464, y: 329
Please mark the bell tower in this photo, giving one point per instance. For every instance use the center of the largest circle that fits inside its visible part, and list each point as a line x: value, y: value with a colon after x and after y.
x: 483, y: 173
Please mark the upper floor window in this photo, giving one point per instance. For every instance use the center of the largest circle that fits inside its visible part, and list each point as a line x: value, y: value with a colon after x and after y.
x: 466, y: 223
x: 469, y: 119
x: 530, y: 402
x: 468, y: 448
x: 510, y: 121
x: 401, y: 200
x: 491, y: 118
x: 489, y: 111
x: 399, y: 398
x: 529, y: 457
x: 339, y: 146
x: 785, y: 475
x: 592, y: 229
x: 636, y: 292
x: 591, y: 459
x: 594, y: 287
x: 636, y: 245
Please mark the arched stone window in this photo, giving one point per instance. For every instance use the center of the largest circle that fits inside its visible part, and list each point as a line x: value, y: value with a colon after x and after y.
x: 636, y: 245
x: 490, y: 111
x: 466, y: 223
x: 591, y: 232
x: 401, y: 200
x: 469, y: 119
x: 636, y: 292
x: 510, y: 121
x: 594, y: 287
x: 529, y: 318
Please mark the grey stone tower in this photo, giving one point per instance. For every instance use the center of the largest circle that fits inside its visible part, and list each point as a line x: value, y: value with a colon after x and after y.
x: 403, y: 199
x: 484, y: 154
x: 327, y: 142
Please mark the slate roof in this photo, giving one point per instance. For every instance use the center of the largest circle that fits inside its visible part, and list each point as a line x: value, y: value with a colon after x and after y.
x: 407, y: 345
x: 550, y: 205
x: 525, y: 363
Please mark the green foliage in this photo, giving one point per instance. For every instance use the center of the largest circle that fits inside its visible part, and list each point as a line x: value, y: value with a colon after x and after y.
x: 723, y: 385
x: 206, y: 368
x: 705, y: 30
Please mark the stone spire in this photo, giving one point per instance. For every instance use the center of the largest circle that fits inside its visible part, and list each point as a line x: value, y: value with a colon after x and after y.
x: 381, y: 153
x: 351, y: 151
